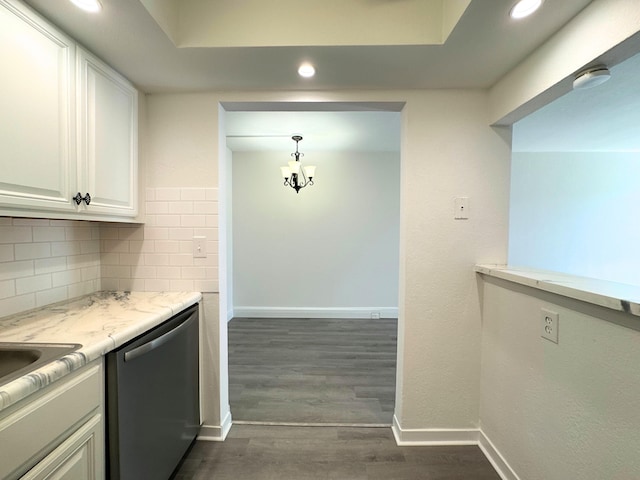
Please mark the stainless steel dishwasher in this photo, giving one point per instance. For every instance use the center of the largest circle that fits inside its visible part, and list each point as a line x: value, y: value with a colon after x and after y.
x: 153, y: 408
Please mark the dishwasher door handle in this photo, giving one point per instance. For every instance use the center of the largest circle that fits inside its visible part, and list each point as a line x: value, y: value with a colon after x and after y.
x: 156, y: 342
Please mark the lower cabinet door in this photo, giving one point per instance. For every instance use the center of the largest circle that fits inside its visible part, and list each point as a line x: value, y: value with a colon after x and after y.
x: 79, y: 457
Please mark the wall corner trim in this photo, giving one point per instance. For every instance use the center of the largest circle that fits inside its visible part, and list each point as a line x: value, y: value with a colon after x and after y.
x: 433, y: 436
x: 495, y: 458
x: 214, y: 433
x: 453, y: 436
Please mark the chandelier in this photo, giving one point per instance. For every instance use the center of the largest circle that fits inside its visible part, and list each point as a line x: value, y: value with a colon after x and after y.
x: 295, y: 175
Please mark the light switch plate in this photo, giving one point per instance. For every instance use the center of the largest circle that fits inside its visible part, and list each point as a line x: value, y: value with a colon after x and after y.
x: 461, y: 205
x: 199, y: 247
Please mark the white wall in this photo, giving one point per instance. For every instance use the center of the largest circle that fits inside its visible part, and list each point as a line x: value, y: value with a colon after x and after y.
x: 574, y: 213
x: 448, y: 150
x: 334, y: 245
x: 565, y: 411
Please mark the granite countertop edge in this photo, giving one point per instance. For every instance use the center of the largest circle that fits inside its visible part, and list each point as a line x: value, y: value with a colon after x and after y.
x: 615, y: 296
x: 100, y: 322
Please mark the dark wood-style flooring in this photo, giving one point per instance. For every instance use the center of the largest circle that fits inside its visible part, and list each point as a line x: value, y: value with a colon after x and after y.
x: 312, y: 371
x: 256, y: 452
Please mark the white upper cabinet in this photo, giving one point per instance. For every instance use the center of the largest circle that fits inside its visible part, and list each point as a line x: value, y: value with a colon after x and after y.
x: 107, y: 140
x: 68, y: 126
x: 37, y: 156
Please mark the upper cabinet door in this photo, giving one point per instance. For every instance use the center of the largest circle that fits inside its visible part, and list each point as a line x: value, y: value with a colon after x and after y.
x: 107, y: 140
x: 37, y: 148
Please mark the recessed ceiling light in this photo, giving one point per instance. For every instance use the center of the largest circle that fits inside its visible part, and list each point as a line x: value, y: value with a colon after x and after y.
x: 88, y: 5
x: 524, y: 8
x: 306, y: 70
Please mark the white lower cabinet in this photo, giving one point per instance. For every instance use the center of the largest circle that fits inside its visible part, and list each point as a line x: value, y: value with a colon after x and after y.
x: 58, y: 432
x: 77, y: 458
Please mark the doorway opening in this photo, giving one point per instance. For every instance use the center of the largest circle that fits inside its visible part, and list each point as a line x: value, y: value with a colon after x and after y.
x: 312, y: 277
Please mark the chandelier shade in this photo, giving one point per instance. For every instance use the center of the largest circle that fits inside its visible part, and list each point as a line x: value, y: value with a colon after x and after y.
x: 295, y: 175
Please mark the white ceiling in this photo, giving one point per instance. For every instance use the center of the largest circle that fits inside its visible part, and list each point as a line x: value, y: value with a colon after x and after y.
x: 483, y: 46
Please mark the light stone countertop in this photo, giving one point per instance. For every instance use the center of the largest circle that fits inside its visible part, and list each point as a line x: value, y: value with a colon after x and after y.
x: 100, y: 322
x: 616, y: 296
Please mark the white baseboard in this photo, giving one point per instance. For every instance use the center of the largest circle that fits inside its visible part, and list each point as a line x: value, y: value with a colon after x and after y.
x: 211, y: 433
x: 495, y: 458
x: 300, y: 312
x: 434, y: 437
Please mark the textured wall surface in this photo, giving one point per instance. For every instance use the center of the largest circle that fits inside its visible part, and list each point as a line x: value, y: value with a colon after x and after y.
x: 559, y: 411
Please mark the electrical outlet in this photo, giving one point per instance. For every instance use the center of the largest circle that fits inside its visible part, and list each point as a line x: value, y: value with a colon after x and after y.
x: 549, y: 324
x: 375, y: 315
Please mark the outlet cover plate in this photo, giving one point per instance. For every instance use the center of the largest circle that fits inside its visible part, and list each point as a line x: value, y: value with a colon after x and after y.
x: 549, y: 325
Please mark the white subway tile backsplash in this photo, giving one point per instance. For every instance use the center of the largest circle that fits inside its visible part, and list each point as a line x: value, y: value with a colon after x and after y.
x: 28, y: 251
x: 193, y: 194
x: 14, y: 234
x: 167, y: 246
x: 157, y: 285
x: 167, y: 220
x: 65, y: 278
x: 193, y: 220
x: 168, y: 272
x: 167, y: 193
x: 33, y: 284
x: 156, y: 207
x: 17, y: 304
x: 181, y: 207
x: 132, y: 259
x: 156, y: 233
x: 60, y: 249
x: 206, y: 286
x: 78, y: 233
x: 83, y: 261
x: 116, y: 271
x: 49, y: 265
x: 13, y: 270
x: 182, y: 285
x: 46, y: 261
x: 48, y: 234
x: 6, y: 253
x: 110, y: 258
x: 90, y: 246
x: 144, y: 271
x: 181, y: 234
x: 131, y: 233
x: 156, y: 259
x: 181, y: 259
x: 32, y: 222
x: 142, y: 246
x: 205, y: 208
x: 46, y: 297
x: 115, y: 246
x: 7, y: 288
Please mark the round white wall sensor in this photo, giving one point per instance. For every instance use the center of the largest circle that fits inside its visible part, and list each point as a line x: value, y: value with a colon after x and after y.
x: 591, y: 77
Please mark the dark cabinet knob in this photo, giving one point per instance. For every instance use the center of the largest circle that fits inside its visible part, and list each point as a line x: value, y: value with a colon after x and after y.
x: 78, y: 198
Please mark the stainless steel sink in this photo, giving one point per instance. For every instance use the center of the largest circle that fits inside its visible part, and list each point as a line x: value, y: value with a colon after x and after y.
x: 18, y: 359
